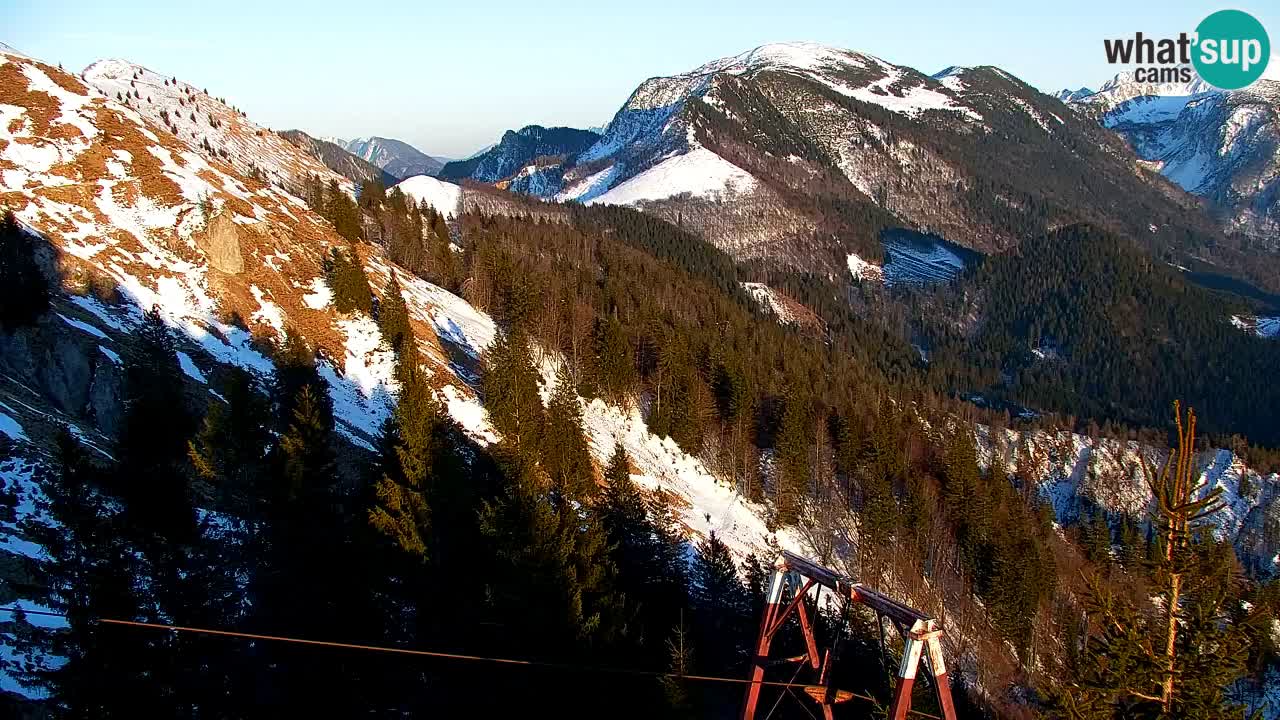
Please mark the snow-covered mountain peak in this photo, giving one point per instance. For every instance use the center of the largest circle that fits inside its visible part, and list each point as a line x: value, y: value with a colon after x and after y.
x: 444, y: 197
x: 1067, y: 95
x: 1124, y: 87
x: 803, y: 56
x: 397, y: 157
x: 1223, y: 145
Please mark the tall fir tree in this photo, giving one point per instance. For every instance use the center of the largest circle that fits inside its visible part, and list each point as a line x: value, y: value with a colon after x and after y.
x: 412, y: 448
x: 565, y: 456
x: 152, y: 473
x: 721, y: 608
x: 24, y: 290
x: 792, y: 460
x: 1181, y: 658
x: 348, y: 282
x: 393, y: 319
x: 510, y: 385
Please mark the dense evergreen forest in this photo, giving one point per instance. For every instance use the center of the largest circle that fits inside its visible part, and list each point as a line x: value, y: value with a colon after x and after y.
x: 1084, y: 322
x: 254, y: 515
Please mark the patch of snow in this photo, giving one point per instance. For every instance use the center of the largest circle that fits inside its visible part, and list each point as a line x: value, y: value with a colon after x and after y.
x: 444, y: 197
x: 84, y: 326
x: 864, y: 270
x: 768, y: 299
x: 1266, y: 327
x: 111, y: 355
x: 698, y: 172
x: 12, y: 428
x: 190, y: 368
x: 268, y: 313
x: 591, y: 186
x: 470, y: 415
x: 320, y: 296
x: 911, y: 101
x: 364, y: 392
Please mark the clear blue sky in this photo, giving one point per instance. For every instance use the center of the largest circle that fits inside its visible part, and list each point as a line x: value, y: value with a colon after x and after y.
x: 449, y: 77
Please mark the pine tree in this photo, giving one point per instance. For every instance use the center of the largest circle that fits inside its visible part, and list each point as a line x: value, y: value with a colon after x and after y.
x: 86, y: 571
x: 311, y: 581
x: 552, y: 578
x: 721, y: 607
x: 1180, y: 660
x: 24, y: 291
x: 612, y: 367
x: 647, y: 551
x: 565, y: 456
x: 295, y: 370
x: 347, y: 280
x: 230, y: 450
x: 152, y: 449
x: 792, y: 460
x: 305, y: 456
x: 412, y: 439
x: 680, y: 663
x: 393, y: 319
x: 340, y: 210
x: 510, y: 385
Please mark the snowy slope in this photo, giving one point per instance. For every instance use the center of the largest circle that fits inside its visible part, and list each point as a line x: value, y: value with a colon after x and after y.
x: 1072, y: 471
x: 128, y: 205
x: 698, y: 172
x: 770, y: 300
x: 445, y: 197
x: 199, y: 119
x: 1267, y: 327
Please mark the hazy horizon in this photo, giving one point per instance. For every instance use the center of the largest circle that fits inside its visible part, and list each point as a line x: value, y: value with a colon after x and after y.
x: 451, y: 79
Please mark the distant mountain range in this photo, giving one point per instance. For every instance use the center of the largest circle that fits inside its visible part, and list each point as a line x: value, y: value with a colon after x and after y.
x: 1221, y: 145
x: 398, y: 158
x: 530, y: 145
x: 338, y: 159
x: 784, y: 152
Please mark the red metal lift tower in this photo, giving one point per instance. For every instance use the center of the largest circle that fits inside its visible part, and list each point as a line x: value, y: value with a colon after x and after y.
x: 793, y: 578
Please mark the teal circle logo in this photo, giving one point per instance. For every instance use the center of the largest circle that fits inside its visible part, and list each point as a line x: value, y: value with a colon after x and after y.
x: 1231, y: 49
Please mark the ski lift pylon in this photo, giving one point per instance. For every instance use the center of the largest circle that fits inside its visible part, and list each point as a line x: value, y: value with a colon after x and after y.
x: 793, y: 578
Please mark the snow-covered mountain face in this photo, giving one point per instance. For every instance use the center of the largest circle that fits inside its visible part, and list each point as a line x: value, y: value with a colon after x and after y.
x: 398, y: 158
x: 208, y: 124
x: 788, y: 152
x: 1221, y: 145
x: 533, y: 145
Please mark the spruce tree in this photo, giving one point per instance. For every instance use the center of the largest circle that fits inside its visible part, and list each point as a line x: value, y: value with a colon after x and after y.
x: 510, y: 385
x: 552, y: 579
x: 565, y: 456
x: 295, y: 369
x: 721, y: 607
x: 152, y: 474
x: 1180, y: 659
x: 230, y: 450
x: 86, y: 571
x: 412, y: 441
x: 24, y: 291
x: 648, y: 553
x: 612, y: 365
x: 393, y: 319
x: 792, y: 460
x: 347, y: 279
